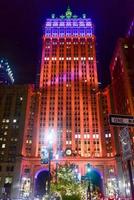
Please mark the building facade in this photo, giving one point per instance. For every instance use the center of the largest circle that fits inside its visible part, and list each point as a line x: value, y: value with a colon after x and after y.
x: 69, y: 111
x: 6, y: 74
x: 122, y: 73
x: 17, y: 115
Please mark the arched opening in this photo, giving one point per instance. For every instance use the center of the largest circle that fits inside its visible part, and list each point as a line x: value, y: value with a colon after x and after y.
x: 41, y: 183
x: 7, y: 187
x: 95, y: 183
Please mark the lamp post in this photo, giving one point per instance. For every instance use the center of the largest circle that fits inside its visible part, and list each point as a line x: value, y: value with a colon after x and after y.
x: 49, y: 169
x: 56, y: 158
x: 89, y: 197
x: 50, y: 142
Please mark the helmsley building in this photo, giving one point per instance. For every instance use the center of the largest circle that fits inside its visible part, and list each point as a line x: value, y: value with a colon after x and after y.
x: 68, y: 104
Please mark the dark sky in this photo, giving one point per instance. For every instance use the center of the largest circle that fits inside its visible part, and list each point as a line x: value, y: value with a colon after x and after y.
x: 21, y: 30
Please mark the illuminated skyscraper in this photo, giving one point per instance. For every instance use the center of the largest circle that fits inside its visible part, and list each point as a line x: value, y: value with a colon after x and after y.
x: 69, y: 93
x: 68, y: 106
x: 68, y: 82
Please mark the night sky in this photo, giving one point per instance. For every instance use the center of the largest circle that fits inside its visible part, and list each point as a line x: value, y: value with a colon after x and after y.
x: 21, y: 30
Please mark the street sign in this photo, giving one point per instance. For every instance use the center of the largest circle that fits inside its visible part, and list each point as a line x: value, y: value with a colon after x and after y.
x: 121, y: 120
x: 126, y: 144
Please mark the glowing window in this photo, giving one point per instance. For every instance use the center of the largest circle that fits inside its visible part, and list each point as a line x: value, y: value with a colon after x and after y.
x: 3, y: 146
x: 68, y: 23
x: 21, y: 98
x: 48, y: 24
x: 55, y: 23
x: 97, y: 136
x: 125, y: 46
x: 5, y: 133
x: 88, y: 136
x: 85, y: 136
x: 62, y: 24
x: 106, y: 135
x: 8, y: 180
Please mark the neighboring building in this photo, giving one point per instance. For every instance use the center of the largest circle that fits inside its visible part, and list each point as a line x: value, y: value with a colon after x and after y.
x: 106, y: 108
x: 6, y: 75
x: 17, y: 115
x: 122, y: 74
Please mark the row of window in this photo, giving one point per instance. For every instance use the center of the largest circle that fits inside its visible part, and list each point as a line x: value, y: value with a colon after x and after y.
x: 8, y: 168
x: 68, y: 58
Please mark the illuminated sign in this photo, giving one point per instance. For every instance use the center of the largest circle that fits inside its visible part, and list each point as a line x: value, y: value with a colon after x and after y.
x: 121, y: 120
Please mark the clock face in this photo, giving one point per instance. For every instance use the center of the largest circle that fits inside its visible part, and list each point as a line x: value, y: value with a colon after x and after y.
x: 68, y: 152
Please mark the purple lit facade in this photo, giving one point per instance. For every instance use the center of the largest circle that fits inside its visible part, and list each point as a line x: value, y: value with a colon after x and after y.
x: 68, y: 27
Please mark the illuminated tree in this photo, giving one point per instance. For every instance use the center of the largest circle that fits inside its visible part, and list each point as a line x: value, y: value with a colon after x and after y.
x: 68, y: 184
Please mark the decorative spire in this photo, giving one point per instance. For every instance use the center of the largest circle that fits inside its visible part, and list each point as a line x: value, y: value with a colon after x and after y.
x: 68, y: 13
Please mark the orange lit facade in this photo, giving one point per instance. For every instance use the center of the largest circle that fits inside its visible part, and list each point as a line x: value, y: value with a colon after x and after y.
x: 68, y: 75
x: 68, y: 84
x: 69, y: 104
x: 69, y: 99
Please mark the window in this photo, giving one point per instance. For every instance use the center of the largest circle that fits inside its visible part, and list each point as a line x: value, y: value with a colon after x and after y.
x: 5, y: 133
x: 10, y: 168
x: 8, y: 180
x: 14, y: 120
x: 125, y: 46
x: 21, y: 98
x: 3, y: 146
x: 3, y: 120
